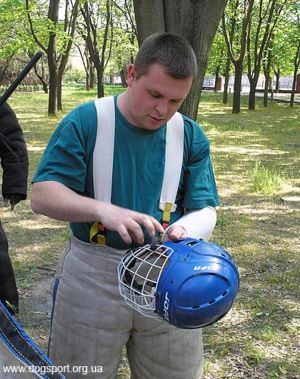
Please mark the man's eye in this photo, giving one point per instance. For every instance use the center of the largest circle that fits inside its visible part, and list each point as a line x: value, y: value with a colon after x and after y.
x: 155, y: 95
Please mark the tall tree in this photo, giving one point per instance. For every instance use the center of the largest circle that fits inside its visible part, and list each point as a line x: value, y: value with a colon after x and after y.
x: 97, y: 21
x: 296, y: 67
x: 217, y: 58
x: 237, y: 55
x: 261, y: 28
x: 266, y: 63
x: 231, y: 24
x: 294, y: 42
x: 125, y: 37
x: 69, y: 27
x: 47, y: 34
x: 197, y: 21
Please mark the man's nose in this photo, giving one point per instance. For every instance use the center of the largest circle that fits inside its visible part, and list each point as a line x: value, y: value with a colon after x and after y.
x: 162, y: 107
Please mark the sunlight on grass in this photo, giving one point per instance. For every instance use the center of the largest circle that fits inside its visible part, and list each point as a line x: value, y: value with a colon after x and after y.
x: 266, y: 181
x: 248, y: 150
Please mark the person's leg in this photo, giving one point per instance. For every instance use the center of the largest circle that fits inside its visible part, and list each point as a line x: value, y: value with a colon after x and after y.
x: 158, y: 350
x: 8, y: 288
x: 90, y: 323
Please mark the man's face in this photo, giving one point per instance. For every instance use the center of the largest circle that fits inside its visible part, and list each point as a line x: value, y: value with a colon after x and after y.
x: 153, y: 98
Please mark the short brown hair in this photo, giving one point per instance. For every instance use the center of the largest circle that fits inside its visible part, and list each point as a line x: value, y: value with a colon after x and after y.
x: 170, y: 50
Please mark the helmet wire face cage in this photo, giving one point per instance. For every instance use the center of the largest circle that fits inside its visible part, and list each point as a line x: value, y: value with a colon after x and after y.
x: 188, y: 283
x: 139, y: 272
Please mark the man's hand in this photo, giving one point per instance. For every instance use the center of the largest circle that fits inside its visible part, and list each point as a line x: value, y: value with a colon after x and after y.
x: 128, y: 223
x: 13, y: 199
x: 55, y: 200
x: 174, y: 233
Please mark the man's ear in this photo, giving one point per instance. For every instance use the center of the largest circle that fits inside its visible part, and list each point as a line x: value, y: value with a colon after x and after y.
x: 131, y: 74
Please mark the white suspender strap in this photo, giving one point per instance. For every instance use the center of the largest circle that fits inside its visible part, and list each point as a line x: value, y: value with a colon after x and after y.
x: 103, y: 156
x: 173, y: 162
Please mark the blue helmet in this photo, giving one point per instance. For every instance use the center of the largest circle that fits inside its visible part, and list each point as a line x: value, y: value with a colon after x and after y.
x: 189, y: 283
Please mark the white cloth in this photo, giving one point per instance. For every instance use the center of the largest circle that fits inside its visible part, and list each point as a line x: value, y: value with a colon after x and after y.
x: 198, y: 223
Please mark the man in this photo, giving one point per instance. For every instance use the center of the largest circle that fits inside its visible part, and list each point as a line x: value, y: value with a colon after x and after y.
x: 14, y: 162
x: 90, y: 322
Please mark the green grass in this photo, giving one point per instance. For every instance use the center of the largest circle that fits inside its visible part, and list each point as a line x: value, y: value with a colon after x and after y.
x: 266, y: 180
x: 256, y: 162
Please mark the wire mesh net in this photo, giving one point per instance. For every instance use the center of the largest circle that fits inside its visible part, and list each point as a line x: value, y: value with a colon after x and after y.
x: 139, y: 272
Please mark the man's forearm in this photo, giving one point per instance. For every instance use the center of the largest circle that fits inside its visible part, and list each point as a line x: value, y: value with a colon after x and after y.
x: 57, y: 201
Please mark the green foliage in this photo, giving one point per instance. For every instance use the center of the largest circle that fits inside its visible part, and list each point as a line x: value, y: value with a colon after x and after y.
x: 12, y: 28
x: 266, y: 180
x: 74, y: 76
x: 218, y: 55
x: 285, y: 39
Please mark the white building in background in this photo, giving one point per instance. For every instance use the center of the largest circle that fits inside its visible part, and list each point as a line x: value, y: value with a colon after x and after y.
x: 285, y: 83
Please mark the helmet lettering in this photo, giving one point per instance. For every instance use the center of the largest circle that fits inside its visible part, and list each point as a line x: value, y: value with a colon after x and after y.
x: 166, y: 307
x: 203, y: 268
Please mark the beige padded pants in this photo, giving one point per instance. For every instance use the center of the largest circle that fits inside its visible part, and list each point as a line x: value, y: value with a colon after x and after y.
x: 92, y: 323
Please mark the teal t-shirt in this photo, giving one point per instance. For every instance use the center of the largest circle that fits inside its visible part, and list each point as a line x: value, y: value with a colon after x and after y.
x: 138, y: 166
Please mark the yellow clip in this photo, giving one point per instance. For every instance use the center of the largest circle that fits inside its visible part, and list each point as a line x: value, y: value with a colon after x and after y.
x: 101, y: 240
x: 167, y: 212
x: 95, y: 237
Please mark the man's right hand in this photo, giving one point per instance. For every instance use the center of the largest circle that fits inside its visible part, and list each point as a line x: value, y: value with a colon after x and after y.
x: 57, y: 201
x: 128, y: 223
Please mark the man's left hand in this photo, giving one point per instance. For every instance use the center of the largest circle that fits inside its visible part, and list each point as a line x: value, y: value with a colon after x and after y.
x: 175, y: 232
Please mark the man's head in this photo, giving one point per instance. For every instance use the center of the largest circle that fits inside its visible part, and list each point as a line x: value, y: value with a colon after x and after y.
x: 158, y: 81
x: 171, y: 51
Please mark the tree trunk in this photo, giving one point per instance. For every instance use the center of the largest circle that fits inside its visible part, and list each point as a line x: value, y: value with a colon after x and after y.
x: 51, y: 55
x: 52, y: 86
x: 216, y: 78
x: 100, y: 87
x: 236, y: 107
x: 87, y: 73
x: 123, y: 78
x: 296, y: 66
x: 293, y: 92
x: 203, y: 16
x: 41, y: 78
x: 149, y: 17
x: 226, y: 81
x: 277, y: 75
x: 92, y: 76
x: 251, y: 101
x: 59, y: 91
x: 267, y: 67
x: 45, y: 87
x: 266, y: 89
